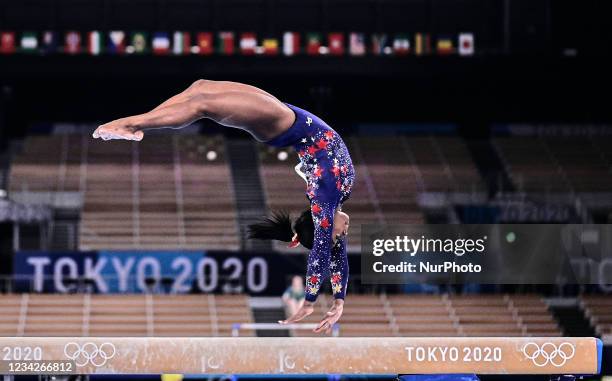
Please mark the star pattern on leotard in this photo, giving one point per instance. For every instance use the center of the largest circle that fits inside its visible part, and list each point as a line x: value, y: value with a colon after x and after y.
x: 329, y: 173
x: 313, y: 283
x: 336, y: 281
x: 336, y: 161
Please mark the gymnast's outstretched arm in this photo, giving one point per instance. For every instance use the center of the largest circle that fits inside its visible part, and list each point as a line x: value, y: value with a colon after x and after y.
x: 229, y: 104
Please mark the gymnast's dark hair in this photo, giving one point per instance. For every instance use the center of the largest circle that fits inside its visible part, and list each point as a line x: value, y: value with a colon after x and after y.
x: 280, y: 227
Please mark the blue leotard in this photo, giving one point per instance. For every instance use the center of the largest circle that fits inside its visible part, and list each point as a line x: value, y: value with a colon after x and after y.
x: 329, y: 174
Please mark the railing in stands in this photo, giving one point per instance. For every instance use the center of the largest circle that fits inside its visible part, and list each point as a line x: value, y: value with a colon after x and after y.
x: 278, y: 327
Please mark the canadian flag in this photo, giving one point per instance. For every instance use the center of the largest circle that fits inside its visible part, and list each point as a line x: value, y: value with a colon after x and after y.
x: 466, y: 44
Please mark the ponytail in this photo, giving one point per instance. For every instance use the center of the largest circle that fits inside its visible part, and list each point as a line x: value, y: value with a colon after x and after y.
x: 279, y: 227
x: 276, y: 227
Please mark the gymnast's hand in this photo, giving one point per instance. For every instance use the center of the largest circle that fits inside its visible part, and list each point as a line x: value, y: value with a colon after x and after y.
x: 331, y: 317
x: 118, y: 129
x: 306, y: 309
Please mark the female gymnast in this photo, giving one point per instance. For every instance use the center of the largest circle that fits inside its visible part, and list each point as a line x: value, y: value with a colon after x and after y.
x: 325, y: 165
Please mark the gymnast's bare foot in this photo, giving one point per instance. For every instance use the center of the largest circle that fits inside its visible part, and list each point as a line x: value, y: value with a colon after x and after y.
x: 306, y: 309
x: 118, y: 129
x: 331, y: 317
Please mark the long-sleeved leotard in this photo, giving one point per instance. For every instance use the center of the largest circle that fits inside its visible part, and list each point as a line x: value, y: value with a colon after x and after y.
x: 329, y: 174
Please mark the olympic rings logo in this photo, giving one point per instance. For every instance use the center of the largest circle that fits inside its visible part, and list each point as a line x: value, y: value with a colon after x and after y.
x: 549, y: 353
x: 89, y: 353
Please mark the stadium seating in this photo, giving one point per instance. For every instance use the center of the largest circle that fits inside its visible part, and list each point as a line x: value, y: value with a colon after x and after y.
x: 122, y: 315
x: 442, y: 315
x: 598, y: 309
x: 444, y: 163
x: 46, y: 163
x: 214, y: 315
x: 570, y: 164
x: 492, y: 315
x: 162, y: 193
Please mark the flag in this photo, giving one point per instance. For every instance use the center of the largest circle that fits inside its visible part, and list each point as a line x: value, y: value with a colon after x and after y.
x: 248, y: 43
x: 29, y: 42
x: 205, y: 43
x: 49, y: 42
x: 181, y: 43
x: 422, y: 44
x: 357, y: 44
x: 7, y: 42
x: 418, y: 44
x: 401, y: 44
x: 313, y: 44
x: 270, y: 46
x: 72, y: 43
x: 444, y: 45
x: 336, y: 44
x: 380, y: 44
x: 225, y: 43
x: 94, y: 43
x: 138, y: 43
x: 291, y: 43
x: 466, y: 44
x: 116, y: 42
x: 161, y: 43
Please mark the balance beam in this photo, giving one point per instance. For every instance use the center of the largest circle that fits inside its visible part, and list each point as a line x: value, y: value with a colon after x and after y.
x: 261, y: 355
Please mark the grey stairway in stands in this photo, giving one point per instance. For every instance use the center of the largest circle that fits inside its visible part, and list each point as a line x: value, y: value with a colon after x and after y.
x: 248, y: 190
x: 573, y: 321
x: 65, y: 230
x: 490, y: 166
x: 268, y: 310
x: 270, y: 315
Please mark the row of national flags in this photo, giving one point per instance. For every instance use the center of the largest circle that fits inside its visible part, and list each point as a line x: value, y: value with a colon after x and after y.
x: 230, y: 43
